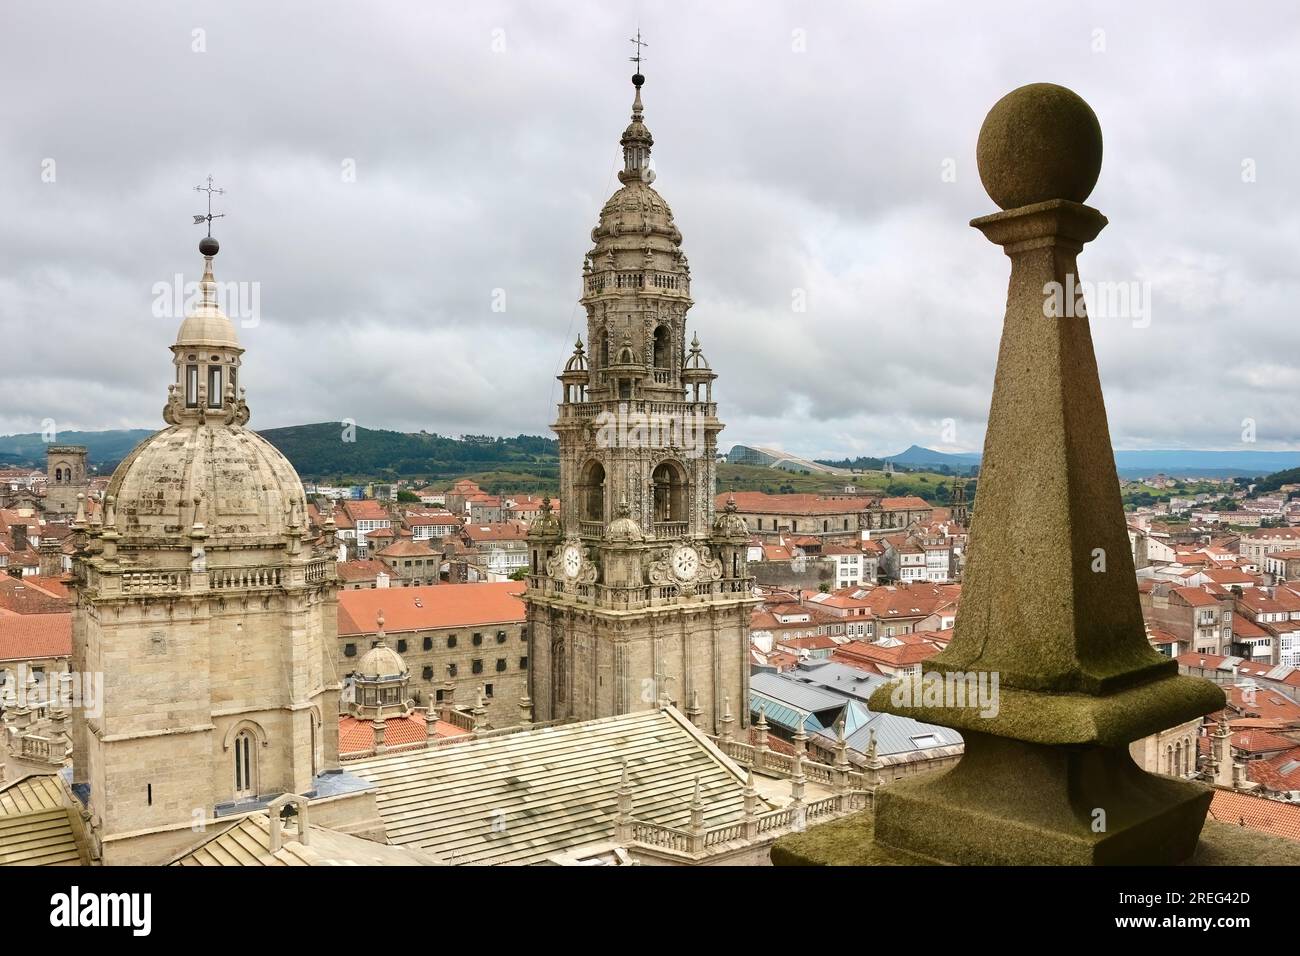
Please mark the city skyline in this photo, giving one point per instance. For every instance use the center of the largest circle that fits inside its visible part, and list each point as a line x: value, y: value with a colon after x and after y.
x: 475, y: 187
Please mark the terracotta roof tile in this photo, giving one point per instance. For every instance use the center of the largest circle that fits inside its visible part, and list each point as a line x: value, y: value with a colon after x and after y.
x: 1257, y: 813
x: 31, y: 636
x: 431, y: 606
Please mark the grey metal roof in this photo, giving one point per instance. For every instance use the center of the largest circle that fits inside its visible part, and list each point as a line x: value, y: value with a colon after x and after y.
x: 797, y: 694
x: 837, y: 678
x: 898, y: 735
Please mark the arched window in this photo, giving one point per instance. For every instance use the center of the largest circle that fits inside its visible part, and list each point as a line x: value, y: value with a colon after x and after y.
x: 592, y: 491
x: 662, y: 359
x: 669, y: 492
x: 245, y: 766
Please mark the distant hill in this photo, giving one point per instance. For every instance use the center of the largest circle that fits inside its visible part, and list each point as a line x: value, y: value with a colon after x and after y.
x: 321, y: 452
x: 1136, y: 464
x: 918, y: 457
x: 102, y: 448
x: 1279, y: 478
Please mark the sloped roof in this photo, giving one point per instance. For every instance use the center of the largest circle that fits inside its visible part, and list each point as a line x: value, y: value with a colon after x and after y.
x: 431, y: 606
x: 25, y: 637
x: 1257, y: 813
x: 247, y: 842
x: 41, y: 791
x: 525, y: 796
x: 39, y: 838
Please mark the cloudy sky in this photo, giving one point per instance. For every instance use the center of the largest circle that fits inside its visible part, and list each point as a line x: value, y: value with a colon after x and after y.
x: 391, y: 165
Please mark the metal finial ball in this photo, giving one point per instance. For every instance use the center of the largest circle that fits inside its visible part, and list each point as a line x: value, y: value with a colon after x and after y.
x: 638, y: 80
x: 209, y: 246
x: 1039, y: 142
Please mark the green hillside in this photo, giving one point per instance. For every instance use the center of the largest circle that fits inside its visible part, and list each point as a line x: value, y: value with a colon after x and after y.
x: 328, y: 451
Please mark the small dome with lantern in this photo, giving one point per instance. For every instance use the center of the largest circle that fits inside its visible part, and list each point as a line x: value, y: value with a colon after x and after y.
x: 624, y: 527
x: 728, y: 523
x: 380, y: 682
x: 206, y: 470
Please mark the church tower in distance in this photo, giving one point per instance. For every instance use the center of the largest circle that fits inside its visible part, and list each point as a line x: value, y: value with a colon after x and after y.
x: 638, y: 592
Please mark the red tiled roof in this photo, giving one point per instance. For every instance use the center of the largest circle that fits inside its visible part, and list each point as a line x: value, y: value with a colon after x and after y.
x: 1257, y: 813
x: 366, y: 509
x: 422, y: 519
x: 33, y: 594
x: 31, y: 636
x: 407, y: 549
x: 431, y: 606
x: 760, y: 502
x: 1261, y: 742
x: 496, y: 531
x: 904, y: 503
x: 1196, y: 597
x: 361, y: 570
x: 902, y: 655
x: 357, y: 735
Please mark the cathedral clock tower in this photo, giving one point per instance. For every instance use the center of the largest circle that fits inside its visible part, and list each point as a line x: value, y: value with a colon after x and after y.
x: 638, y: 593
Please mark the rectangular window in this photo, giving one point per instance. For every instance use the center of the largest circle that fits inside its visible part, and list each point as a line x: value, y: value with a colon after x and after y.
x: 191, y: 386
x: 477, y: 666
x: 501, y: 664
x: 487, y: 690
x: 214, y: 386
x: 523, y: 663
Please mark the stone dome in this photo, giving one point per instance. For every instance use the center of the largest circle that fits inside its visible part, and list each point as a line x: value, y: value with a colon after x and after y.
x: 245, y: 486
x: 624, y: 527
x: 728, y: 523
x: 381, y: 662
x: 547, y: 522
x: 207, y: 327
x: 636, y: 212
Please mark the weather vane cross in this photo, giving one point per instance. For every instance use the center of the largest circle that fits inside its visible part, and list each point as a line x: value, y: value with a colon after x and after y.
x: 209, y: 189
x: 639, y: 44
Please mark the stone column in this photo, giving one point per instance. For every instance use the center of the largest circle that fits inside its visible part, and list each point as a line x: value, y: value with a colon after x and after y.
x: 840, y: 779
x: 1046, y: 776
x: 623, y: 814
x: 760, y: 738
x: 751, y: 806
x: 697, y: 819
x: 727, y: 721
x: 479, y: 712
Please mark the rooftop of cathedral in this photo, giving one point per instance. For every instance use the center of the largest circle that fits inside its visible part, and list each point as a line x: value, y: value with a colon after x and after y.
x: 248, y: 842
x: 533, y: 794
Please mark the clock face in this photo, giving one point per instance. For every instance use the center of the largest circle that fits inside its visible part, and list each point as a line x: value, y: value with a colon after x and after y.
x: 572, y: 561
x: 686, y: 561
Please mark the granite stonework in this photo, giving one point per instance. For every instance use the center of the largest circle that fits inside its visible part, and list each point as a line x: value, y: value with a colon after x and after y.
x: 1047, y: 778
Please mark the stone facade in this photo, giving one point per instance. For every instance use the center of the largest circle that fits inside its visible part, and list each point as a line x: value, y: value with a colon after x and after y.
x: 210, y: 619
x: 65, y: 466
x: 636, y: 593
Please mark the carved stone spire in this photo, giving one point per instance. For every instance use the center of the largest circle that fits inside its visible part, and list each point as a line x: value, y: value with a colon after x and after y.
x: 1046, y: 776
